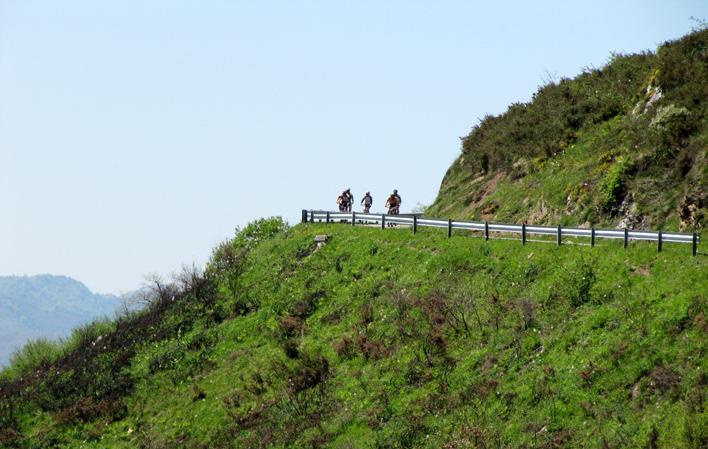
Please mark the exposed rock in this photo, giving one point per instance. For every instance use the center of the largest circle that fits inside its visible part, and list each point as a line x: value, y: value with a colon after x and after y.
x: 636, y: 391
x: 631, y: 218
x: 542, y: 213
x: 652, y: 95
x: 483, y: 191
x: 520, y: 168
x: 320, y: 240
x: 691, y: 211
x: 490, y: 209
x: 576, y: 198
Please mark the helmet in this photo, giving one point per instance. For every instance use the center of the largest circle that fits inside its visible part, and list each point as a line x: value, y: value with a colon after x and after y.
x: 368, y: 193
x: 395, y: 191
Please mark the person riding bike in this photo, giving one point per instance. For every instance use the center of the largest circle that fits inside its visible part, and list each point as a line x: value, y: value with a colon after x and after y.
x: 343, y: 202
x: 398, y: 197
x: 350, y: 199
x: 366, y: 202
x: 392, y: 203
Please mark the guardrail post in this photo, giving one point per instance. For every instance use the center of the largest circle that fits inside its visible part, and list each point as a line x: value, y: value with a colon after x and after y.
x: 304, y: 215
x: 558, y: 236
x: 415, y: 224
x: 353, y: 217
x: 658, y: 248
x: 486, y: 230
x: 327, y: 217
x: 383, y: 221
x: 695, y: 243
x: 523, y: 233
x: 626, y: 237
x: 449, y: 227
x: 312, y: 216
x: 592, y: 237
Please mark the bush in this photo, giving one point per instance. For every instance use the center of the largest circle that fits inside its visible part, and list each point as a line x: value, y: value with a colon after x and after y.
x: 33, y: 355
x: 258, y: 231
x: 550, y: 122
x: 231, y: 254
x: 682, y: 73
x: 344, y: 347
x: 228, y: 259
x: 305, y: 384
x: 671, y: 125
x: 8, y: 405
x: 88, y: 334
x: 612, y: 185
x: 575, y: 284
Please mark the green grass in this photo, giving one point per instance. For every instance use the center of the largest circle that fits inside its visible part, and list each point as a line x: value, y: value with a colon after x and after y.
x: 563, y: 347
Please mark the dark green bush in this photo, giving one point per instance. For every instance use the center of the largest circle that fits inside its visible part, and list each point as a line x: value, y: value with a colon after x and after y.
x: 548, y: 124
x: 683, y: 71
x: 612, y: 185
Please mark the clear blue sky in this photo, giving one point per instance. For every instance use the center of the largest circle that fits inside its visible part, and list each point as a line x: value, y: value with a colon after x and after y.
x: 135, y: 135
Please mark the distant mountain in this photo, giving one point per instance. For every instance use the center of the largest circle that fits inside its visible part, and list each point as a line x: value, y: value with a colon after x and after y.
x: 46, y: 306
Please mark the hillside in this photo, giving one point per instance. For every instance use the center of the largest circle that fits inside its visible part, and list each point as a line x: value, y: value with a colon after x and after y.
x: 386, y: 339
x: 382, y: 339
x: 45, y: 306
x: 623, y: 145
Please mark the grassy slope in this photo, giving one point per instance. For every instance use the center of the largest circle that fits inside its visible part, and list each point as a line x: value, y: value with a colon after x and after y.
x: 350, y: 346
x: 385, y: 339
x: 590, y: 150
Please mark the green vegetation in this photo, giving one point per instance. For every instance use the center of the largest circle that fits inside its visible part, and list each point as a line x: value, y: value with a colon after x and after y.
x: 385, y: 339
x: 382, y: 338
x: 624, y: 145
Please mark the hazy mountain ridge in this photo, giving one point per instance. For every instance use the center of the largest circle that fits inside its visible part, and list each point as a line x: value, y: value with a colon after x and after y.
x: 47, y: 306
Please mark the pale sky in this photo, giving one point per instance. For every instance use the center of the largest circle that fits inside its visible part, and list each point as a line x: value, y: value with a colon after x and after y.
x: 136, y: 135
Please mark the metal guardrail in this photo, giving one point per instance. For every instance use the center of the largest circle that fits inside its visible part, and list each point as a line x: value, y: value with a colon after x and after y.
x: 415, y: 220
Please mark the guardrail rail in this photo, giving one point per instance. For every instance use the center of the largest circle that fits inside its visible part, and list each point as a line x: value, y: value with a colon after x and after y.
x: 416, y: 220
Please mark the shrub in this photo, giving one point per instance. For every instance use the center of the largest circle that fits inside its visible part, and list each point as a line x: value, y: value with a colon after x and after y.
x: 88, y: 335
x: 527, y: 311
x: 344, y: 347
x: 228, y: 259
x: 8, y: 405
x: 305, y: 384
x: 550, y: 122
x: 290, y: 326
x: 86, y: 409
x: 166, y: 358
x: 33, y: 355
x: 612, y: 185
x: 682, y: 73
x: 371, y: 349
x: 291, y: 348
x: 574, y: 284
x: 671, y: 126
x: 202, y: 340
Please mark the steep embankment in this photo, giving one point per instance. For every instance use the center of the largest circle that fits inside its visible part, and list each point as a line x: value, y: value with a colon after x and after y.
x: 386, y: 339
x: 625, y: 145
